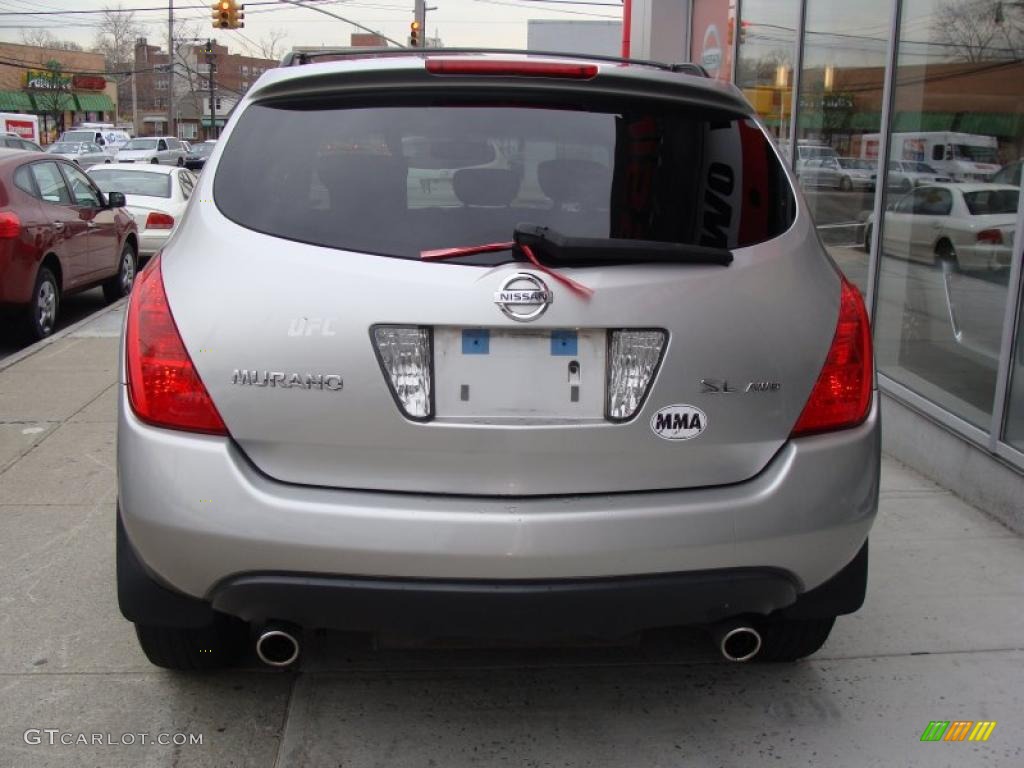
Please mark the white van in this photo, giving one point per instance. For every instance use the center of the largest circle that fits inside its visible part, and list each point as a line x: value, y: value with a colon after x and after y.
x: 108, y: 137
x: 960, y: 156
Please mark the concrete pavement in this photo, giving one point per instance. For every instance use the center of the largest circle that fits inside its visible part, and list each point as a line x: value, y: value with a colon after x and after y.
x: 940, y: 638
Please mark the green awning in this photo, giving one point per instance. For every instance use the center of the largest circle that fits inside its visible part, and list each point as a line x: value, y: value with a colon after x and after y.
x: 15, y: 101
x: 869, y: 122
x: 220, y: 122
x: 94, y: 102
x: 811, y: 120
x: 923, y: 121
x: 992, y: 124
x: 50, y: 102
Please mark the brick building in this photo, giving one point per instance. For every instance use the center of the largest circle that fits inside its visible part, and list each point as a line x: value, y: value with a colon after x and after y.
x: 193, y: 118
x: 73, y: 91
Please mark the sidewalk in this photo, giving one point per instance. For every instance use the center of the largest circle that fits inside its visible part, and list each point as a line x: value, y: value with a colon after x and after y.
x: 940, y: 638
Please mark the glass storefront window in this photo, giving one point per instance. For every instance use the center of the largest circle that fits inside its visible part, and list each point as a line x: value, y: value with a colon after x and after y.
x: 949, y: 222
x: 1014, y: 425
x: 766, y: 52
x: 838, y: 123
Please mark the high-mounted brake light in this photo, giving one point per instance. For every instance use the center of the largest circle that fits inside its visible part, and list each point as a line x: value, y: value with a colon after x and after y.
x: 841, y: 398
x: 10, y: 225
x: 164, y: 387
x: 511, y: 68
x: 158, y: 220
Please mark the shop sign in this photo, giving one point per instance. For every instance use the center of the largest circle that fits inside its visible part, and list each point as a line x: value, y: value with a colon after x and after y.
x: 47, y: 80
x: 89, y: 82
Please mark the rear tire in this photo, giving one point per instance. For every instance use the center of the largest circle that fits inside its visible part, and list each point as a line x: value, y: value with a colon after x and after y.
x: 946, y: 258
x: 867, y: 239
x: 120, y: 285
x: 785, y: 639
x: 154, y: 161
x: 845, y: 184
x: 218, y: 645
x: 41, y: 318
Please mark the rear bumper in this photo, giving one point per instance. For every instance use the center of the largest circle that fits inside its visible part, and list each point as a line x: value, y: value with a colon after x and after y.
x: 506, y: 609
x: 198, y: 515
x: 152, y: 240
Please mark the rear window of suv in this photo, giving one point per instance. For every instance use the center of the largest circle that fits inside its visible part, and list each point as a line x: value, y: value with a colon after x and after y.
x: 396, y: 180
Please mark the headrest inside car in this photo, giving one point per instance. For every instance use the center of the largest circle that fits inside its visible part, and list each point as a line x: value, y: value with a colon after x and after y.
x: 485, y: 186
x: 571, y: 180
x: 362, y: 180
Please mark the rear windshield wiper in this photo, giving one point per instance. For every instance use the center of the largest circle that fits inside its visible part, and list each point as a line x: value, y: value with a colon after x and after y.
x: 565, y: 251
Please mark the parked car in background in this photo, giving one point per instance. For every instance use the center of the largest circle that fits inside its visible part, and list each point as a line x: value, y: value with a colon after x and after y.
x: 904, y: 175
x: 969, y: 226
x: 80, y: 153
x: 393, y: 445
x: 199, y: 155
x: 843, y: 173
x: 164, y: 150
x: 14, y: 141
x: 59, y: 234
x: 155, y: 196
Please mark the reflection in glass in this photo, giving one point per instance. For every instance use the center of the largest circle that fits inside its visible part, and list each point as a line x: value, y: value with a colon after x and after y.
x: 949, y: 224
x: 840, y: 114
x: 1014, y: 427
x: 765, y: 56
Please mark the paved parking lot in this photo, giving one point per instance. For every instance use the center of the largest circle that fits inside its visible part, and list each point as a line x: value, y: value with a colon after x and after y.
x: 940, y: 638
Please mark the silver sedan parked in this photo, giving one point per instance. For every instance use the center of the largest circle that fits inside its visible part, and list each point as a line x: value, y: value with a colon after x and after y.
x: 82, y: 153
x: 607, y: 379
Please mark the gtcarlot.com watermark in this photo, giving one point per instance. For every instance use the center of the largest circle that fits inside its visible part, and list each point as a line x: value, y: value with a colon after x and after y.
x: 55, y: 737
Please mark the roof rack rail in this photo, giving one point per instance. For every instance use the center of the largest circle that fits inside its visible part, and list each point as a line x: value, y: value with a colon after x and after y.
x: 299, y: 57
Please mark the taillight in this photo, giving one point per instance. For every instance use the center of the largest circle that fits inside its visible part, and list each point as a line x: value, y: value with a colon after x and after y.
x: 406, y: 358
x: 157, y: 220
x: 841, y: 398
x: 990, y: 237
x: 10, y: 225
x: 511, y: 68
x: 633, y: 359
x: 164, y: 387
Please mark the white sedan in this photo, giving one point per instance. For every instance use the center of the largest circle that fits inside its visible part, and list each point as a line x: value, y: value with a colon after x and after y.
x: 967, y: 226
x: 156, y: 196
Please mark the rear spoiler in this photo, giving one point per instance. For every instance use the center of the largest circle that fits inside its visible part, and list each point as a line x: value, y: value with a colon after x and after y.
x: 299, y: 57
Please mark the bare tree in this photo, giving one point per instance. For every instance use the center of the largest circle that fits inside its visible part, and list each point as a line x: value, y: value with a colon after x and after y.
x: 268, y: 46
x: 981, y: 30
x: 115, y: 38
x: 52, y: 90
x: 42, y: 38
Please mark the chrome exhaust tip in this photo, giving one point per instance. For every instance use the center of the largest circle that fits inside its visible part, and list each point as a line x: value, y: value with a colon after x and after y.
x: 739, y: 642
x: 277, y: 647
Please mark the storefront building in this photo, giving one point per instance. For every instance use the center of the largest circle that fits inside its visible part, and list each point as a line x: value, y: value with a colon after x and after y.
x: 904, y: 123
x: 62, y: 87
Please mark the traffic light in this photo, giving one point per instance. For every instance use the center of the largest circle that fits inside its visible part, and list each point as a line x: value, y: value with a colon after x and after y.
x: 228, y: 14
x: 415, y: 36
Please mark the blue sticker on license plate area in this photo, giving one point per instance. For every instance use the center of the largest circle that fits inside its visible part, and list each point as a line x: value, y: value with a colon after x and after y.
x: 564, y: 343
x: 476, y: 341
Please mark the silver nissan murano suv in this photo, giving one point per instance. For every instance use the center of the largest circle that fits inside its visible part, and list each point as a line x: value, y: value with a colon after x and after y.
x: 482, y: 344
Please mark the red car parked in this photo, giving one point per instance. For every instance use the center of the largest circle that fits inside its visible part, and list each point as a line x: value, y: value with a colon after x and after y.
x: 59, y: 234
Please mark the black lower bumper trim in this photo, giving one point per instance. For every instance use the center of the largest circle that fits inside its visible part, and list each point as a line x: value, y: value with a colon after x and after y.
x: 591, y: 607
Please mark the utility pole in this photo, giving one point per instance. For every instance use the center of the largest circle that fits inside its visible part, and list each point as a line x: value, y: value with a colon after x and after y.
x: 421, y: 17
x: 170, y: 68
x: 135, y: 103
x: 211, y: 58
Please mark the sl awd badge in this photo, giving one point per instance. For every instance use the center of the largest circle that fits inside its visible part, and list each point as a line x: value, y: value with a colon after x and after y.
x: 679, y: 422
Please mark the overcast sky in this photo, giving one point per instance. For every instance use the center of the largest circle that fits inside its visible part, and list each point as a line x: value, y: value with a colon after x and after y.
x: 497, y: 23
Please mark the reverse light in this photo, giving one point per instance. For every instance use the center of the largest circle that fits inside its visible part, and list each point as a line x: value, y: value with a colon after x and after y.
x: 157, y: 220
x: 164, y: 388
x: 990, y: 237
x: 511, y: 68
x: 841, y: 397
x: 633, y: 359
x: 405, y: 354
x: 10, y: 225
